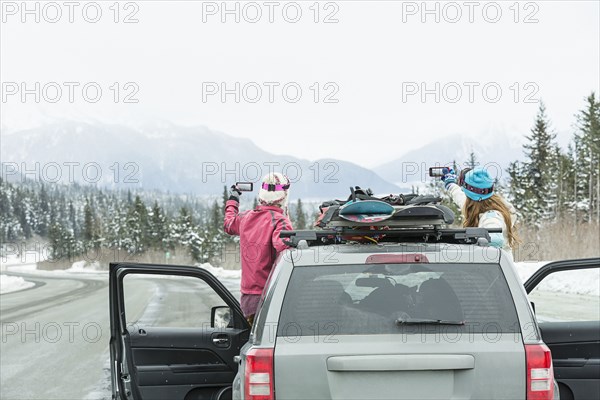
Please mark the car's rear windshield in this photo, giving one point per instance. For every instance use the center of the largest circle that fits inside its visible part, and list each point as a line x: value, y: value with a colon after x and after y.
x: 375, y: 299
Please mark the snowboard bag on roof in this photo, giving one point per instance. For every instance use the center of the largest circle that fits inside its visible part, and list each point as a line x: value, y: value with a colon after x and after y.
x: 363, y: 209
x: 366, y: 211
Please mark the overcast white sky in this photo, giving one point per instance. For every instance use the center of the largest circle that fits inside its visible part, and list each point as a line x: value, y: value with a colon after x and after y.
x: 374, y: 54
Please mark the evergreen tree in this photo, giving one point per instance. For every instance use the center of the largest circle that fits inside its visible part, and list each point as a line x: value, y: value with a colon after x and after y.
x: 188, y: 236
x: 216, y: 218
x: 61, y: 207
x: 540, y: 171
x: 213, y: 235
x: 55, y: 237
x: 10, y: 226
x: 91, y: 229
x: 44, y: 207
x: 73, y: 223
x: 22, y: 211
x: 158, y: 229
x: 300, y: 216
x: 517, y: 189
x: 219, y: 225
x: 587, y: 162
x: 225, y: 198
x: 472, y: 163
x: 137, y: 227
x: 97, y: 229
x: 88, y: 222
x: 565, y: 183
x: 63, y: 245
x: 116, y: 225
x: 72, y: 247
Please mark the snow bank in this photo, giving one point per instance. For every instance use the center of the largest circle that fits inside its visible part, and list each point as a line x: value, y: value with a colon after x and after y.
x: 9, y: 259
x: 22, y: 262
x: 527, y: 268
x: 84, y: 266
x: 10, y: 284
x: 29, y: 268
x: 586, y: 282
x: 221, y: 273
x: 15, y: 262
x: 29, y: 255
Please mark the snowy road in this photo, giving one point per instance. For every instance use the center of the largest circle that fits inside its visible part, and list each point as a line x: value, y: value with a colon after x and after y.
x: 55, y: 336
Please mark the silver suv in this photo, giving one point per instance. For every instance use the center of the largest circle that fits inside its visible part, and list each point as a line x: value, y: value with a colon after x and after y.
x: 386, y: 321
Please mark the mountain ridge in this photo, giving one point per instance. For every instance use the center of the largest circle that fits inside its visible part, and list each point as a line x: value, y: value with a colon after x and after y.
x: 492, y: 151
x: 164, y: 156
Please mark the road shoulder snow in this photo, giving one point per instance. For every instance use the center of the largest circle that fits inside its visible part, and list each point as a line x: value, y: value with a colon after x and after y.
x: 10, y: 284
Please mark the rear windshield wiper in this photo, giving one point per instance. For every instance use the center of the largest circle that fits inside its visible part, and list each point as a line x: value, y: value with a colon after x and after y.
x: 425, y: 321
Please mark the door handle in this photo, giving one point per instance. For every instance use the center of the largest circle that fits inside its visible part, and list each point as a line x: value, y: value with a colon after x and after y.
x: 237, y: 359
x: 220, y: 340
x: 408, y: 362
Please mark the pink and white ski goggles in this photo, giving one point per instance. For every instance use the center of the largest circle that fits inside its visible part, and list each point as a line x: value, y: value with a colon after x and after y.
x: 275, y: 188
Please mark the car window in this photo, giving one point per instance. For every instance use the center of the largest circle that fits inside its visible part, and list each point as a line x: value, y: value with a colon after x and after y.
x: 168, y: 301
x: 572, y: 295
x: 369, y: 299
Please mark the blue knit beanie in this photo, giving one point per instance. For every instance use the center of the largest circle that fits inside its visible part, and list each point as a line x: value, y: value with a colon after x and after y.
x: 478, y: 184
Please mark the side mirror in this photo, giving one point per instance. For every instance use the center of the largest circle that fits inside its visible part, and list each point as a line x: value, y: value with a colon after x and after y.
x: 221, y: 317
x: 532, y: 306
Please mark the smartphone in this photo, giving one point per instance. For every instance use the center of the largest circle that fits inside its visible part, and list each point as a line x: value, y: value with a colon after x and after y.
x: 437, y: 172
x: 244, y: 186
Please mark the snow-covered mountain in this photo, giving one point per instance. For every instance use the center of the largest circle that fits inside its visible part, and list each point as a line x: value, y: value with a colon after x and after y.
x: 168, y: 157
x: 494, y: 151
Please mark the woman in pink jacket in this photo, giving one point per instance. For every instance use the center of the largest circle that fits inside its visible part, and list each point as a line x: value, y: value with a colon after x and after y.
x: 259, y: 230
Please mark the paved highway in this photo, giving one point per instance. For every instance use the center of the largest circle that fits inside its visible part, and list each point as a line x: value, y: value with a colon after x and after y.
x: 54, y: 342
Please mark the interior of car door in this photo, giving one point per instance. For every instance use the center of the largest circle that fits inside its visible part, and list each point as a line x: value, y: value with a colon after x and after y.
x: 167, y: 340
x: 568, y: 311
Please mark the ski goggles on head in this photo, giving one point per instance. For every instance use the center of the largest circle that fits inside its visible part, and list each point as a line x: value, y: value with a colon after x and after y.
x: 478, y: 190
x: 275, y: 188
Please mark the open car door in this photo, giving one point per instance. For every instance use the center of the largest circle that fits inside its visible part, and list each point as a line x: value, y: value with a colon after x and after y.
x: 566, y: 301
x: 174, y: 333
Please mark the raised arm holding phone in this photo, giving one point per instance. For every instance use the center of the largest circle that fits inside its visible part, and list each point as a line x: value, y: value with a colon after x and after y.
x: 258, y: 230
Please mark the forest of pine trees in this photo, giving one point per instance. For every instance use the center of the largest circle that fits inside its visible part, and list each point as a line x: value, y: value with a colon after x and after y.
x: 550, y: 183
x: 78, y: 219
x: 555, y: 191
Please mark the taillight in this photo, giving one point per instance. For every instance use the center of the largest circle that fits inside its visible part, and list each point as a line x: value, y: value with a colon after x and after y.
x: 258, y: 379
x: 540, y: 376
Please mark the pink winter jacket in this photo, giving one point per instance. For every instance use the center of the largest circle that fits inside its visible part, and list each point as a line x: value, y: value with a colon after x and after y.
x: 260, y: 244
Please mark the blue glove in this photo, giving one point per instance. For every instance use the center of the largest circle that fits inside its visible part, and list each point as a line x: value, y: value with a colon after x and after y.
x: 449, y: 177
x: 234, y: 193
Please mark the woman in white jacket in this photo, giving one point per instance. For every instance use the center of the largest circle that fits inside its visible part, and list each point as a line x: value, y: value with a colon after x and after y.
x: 474, y: 193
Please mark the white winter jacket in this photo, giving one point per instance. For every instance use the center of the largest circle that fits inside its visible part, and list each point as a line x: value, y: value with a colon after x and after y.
x: 489, y: 219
